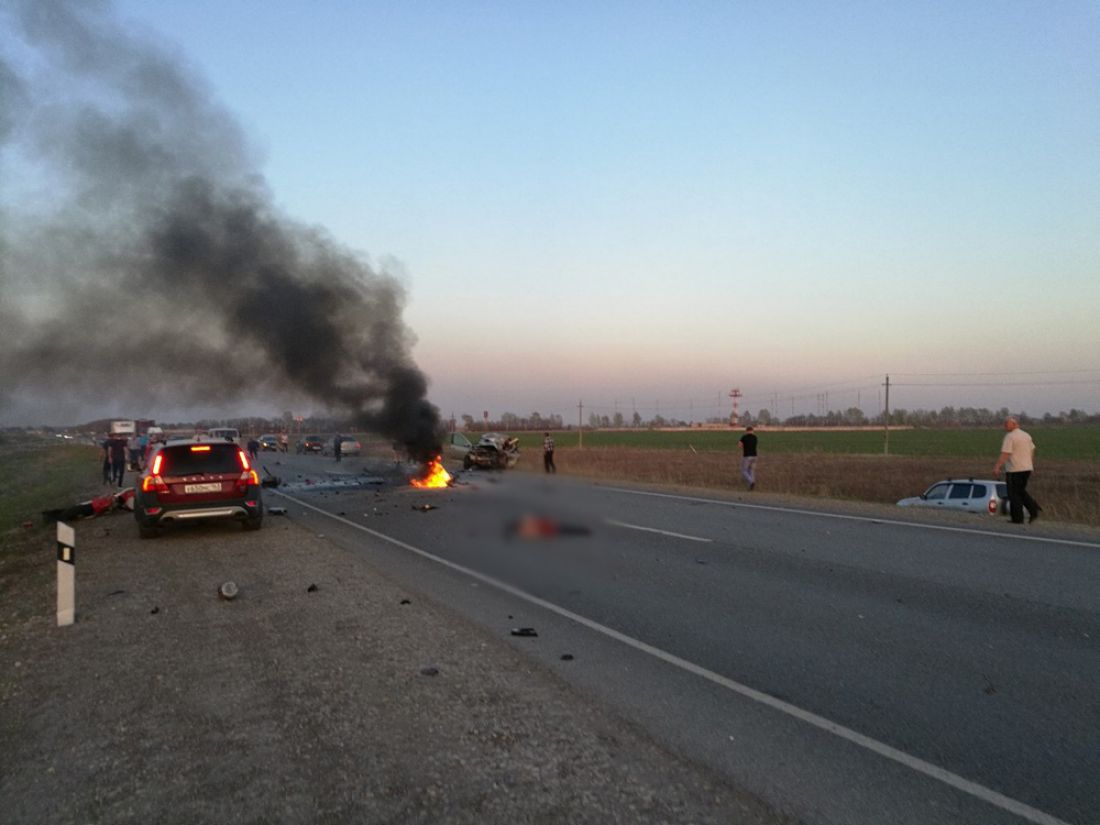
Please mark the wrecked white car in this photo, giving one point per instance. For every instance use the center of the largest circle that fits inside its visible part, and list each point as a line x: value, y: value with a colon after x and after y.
x: 493, y: 451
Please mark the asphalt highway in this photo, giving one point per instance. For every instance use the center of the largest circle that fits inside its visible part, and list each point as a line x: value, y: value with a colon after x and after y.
x: 846, y: 668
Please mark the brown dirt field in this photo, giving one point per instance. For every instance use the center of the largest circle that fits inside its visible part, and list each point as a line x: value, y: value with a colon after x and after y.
x: 1068, y: 491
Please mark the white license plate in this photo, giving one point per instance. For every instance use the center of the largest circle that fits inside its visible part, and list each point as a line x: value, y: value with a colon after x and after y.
x: 211, y: 487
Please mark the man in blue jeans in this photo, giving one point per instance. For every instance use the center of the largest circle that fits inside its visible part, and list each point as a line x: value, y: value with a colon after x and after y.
x: 748, y: 457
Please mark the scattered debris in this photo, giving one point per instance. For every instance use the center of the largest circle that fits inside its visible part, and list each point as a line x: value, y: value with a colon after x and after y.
x: 524, y: 631
x: 311, y: 589
x: 229, y: 591
x: 406, y: 601
x: 700, y: 561
x: 272, y: 480
x: 116, y: 592
x: 423, y: 508
x: 429, y: 671
x: 567, y: 657
x: 154, y: 611
x: 27, y: 525
x: 277, y: 511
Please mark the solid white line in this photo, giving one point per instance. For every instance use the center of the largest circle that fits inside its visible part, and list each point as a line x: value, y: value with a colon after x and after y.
x: 871, y: 519
x: 614, y: 523
x: 927, y: 768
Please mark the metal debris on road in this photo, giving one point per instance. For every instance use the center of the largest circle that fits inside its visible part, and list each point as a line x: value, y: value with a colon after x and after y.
x: 228, y: 591
x: 423, y: 508
x: 567, y: 657
x: 429, y: 671
x: 277, y: 511
x: 311, y: 589
x: 524, y: 631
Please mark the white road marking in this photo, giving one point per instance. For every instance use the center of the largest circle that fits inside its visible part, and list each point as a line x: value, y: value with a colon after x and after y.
x: 614, y: 523
x: 872, y: 519
x: 960, y: 783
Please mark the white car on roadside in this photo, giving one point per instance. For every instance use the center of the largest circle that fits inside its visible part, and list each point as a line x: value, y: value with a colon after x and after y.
x: 968, y: 495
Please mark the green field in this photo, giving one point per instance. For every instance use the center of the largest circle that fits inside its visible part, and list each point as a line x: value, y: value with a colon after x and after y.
x: 1081, y: 442
x: 41, y: 474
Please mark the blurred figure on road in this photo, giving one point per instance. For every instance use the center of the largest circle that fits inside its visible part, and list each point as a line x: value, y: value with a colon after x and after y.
x: 253, y: 448
x: 284, y: 441
x: 337, y: 445
x: 748, y: 457
x: 1017, y: 459
x: 548, y: 453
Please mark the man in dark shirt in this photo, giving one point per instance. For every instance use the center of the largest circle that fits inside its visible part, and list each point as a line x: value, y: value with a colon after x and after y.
x: 548, y: 453
x: 116, y: 448
x: 748, y: 457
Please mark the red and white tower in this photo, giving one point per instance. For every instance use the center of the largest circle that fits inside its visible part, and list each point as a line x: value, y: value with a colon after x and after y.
x: 735, y: 416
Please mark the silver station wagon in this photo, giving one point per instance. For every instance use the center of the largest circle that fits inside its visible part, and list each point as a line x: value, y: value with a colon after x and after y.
x: 972, y: 495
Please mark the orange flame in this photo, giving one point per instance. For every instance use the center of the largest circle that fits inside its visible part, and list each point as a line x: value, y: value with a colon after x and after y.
x: 434, y: 475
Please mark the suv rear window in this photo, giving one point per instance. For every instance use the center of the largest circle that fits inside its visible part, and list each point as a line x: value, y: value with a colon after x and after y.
x: 185, y: 460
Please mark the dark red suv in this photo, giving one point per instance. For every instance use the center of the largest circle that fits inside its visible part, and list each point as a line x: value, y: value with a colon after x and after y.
x: 189, y: 480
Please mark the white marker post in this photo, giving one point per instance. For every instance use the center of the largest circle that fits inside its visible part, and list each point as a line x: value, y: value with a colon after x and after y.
x: 66, y: 575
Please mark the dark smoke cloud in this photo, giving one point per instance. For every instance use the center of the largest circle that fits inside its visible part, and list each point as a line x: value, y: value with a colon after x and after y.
x: 145, y: 263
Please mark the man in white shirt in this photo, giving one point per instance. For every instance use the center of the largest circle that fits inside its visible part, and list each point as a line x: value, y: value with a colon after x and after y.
x: 1017, y: 459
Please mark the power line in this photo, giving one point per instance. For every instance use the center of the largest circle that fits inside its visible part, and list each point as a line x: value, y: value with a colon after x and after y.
x: 1013, y: 372
x: 999, y: 384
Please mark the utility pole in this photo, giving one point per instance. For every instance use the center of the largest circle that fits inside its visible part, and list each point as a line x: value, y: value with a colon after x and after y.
x: 580, y: 425
x: 886, y: 421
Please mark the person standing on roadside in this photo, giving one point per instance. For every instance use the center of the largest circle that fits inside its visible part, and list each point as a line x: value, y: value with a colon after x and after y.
x: 748, y: 457
x: 284, y: 441
x: 337, y: 446
x: 548, y: 453
x: 253, y: 448
x: 1018, y: 460
x: 105, y: 444
x: 116, y: 446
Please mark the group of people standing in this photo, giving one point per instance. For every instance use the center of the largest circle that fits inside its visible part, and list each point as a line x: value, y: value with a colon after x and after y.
x: 120, y: 450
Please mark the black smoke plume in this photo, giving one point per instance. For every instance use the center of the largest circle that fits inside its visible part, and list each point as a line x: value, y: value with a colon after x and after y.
x: 143, y: 262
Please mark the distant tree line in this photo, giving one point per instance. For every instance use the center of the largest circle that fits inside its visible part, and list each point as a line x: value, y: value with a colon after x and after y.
x: 947, y: 417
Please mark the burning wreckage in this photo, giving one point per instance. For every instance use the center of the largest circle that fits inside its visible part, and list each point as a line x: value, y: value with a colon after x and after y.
x: 493, y: 451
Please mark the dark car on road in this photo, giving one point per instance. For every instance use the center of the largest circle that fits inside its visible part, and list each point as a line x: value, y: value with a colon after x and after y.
x: 311, y: 444
x: 190, y: 480
x: 269, y: 443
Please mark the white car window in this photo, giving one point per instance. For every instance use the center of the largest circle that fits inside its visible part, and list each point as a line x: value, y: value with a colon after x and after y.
x: 960, y: 491
x: 937, y: 492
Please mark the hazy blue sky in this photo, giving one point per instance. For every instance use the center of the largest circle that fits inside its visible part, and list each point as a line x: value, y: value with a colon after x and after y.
x: 650, y: 203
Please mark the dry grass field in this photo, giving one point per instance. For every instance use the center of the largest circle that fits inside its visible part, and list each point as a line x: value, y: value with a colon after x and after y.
x: 1068, y: 490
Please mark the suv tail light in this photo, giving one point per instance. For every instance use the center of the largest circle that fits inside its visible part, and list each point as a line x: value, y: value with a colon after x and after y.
x: 992, y: 505
x: 153, y: 483
x: 248, y: 479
